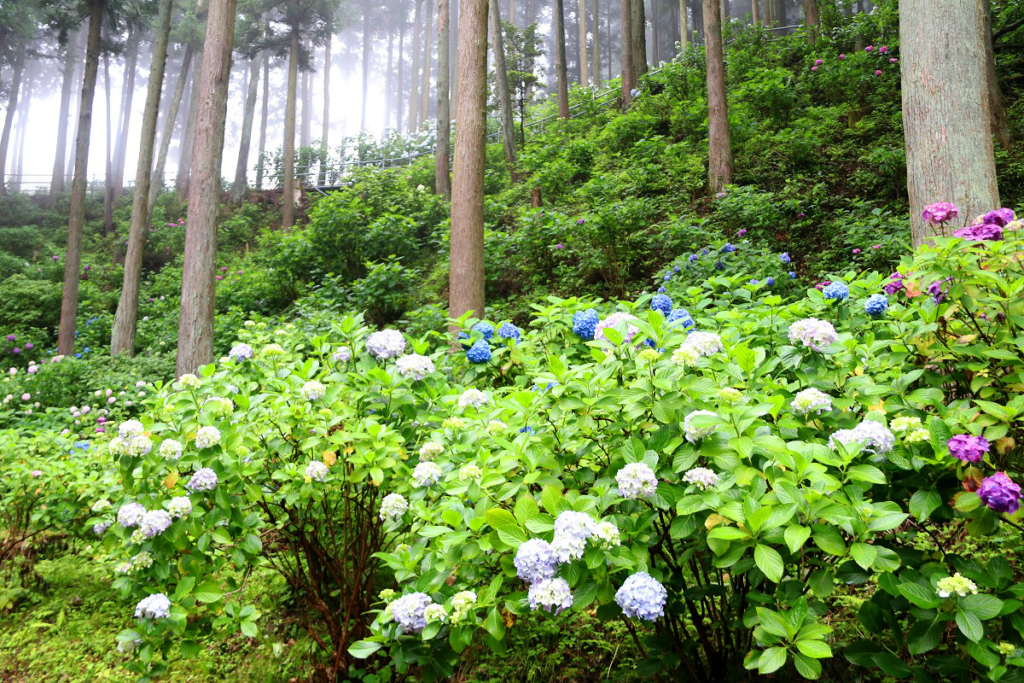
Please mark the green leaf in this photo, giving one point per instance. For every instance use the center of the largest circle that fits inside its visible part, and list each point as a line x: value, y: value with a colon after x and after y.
x: 728, y: 533
x: 249, y: 629
x: 208, y: 592
x: 924, y: 503
x: 806, y: 666
x: 816, y: 649
x: 511, y: 536
x: 984, y: 607
x: 796, y: 536
x: 499, y: 517
x: 821, y: 582
x: 892, y: 665
x: 828, y: 539
x: 189, y: 649
x: 364, y: 648
x: 863, y: 554
x: 772, y: 622
x: 552, y: 500
x: 769, y: 561
x: 771, y: 660
x: 970, y: 625
x: 494, y: 625
x: 924, y: 598
x: 925, y: 636
x: 868, y: 473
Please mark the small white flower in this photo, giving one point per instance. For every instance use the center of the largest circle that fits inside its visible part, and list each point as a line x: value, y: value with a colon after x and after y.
x: 426, y: 474
x: 317, y: 471
x: 470, y: 472
x: 430, y: 450
x: 312, y: 391
x: 392, y: 507
x: 474, y: 398
x: 170, y: 449
x: 189, y: 381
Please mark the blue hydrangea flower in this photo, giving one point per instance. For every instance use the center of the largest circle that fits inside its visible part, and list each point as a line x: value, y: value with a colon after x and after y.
x: 719, y: 266
x: 876, y: 305
x: 682, y: 317
x: 770, y: 281
x: 661, y: 302
x: 693, y: 257
x: 480, y: 352
x: 837, y: 290
x: 510, y: 331
x: 661, y: 290
x: 156, y: 606
x: 728, y: 248
x: 785, y: 257
x: 642, y: 596
x: 486, y: 329
x: 792, y: 275
x: 535, y: 561
x: 528, y: 430
x: 668, y: 276
x: 584, y: 323
x: 754, y: 282
x: 675, y: 268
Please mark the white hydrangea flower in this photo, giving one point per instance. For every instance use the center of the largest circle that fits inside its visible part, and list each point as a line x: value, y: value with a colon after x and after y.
x: 607, y: 535
x: 702, y: 477
x: 142, y: 561
x: 572, y: 529
x: 435, y: 612
x: 426, y: 474
x: 393, y: 507
x: 905, y: 423
x: 170, y: 449
x: 874, y: 436
x: 811, y: 400
x: 317, y: 471
x: 957, y: 584
x: 474, y: 398
x: 139, y: 445
x: 695, y: 433
x: 686, y: 356
x: 705, y: 343
x: 813, y: 333
x: 180, y: 507
x: 385, y: 344
x: 130, y: 429
x: 470, y: 472
x: 272, y: 350
x: 117, y: 446
x: 462, y: 603
x: 636, y: 480
x: 430, y: 450
x: 730, y: 395
x: 496, y: 426
x: 918, y: 436
x: 190, y: 381
x: 415, y: 366
x: 453, y: 423
x: 312, y: 391
x: 207, y: 437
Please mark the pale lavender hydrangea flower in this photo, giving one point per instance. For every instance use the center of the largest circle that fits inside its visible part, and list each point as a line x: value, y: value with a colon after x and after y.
x: 702, y: 477
x: 636, y: 480
x: 342, y: 354
x: 312, y: 391
x: 317, y: 471
x: 240, y: 352
x: 100, y: 528
x: 385, y: 344
x: 154, y: 523
x: 642, y: 596
x: 156, y: 606
x: 535, y: 561
x: 410, y: 611
x: 204, y: 479
x: 552, y: 595
x: 613, y: 320
x: 813, y: 333
x: 130, y: 515
x: 426, y: 474
x: 393, y: 507
x: 572, y: 529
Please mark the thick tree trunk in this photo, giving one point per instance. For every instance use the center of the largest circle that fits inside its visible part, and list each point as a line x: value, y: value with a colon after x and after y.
x: 442, y: 174
x: 76, y: 102
x: 720, y: 146
x: 466, y: 287
x: 996, y: 101
x: 195, y: 323
x: 12, y: 109
x: 638, y: 25
x: 76, y: 218
x: 755, y: 11
x: 306, y: 132
x: 656, y: 44
x: 264, y: 114
x: 24, y: 115
x: 389, y: 84
x: 288, y: 191
x: 561, y: 68
x: 122, y: 338
x: 684, y: 29
x: 157, y: 181
x: 57, y: 184
x: 367, y: 56
x: 427, y: 63
x: 812, y: 17
x: 508, y: 127
x: 582, y: 25
x: 131, y: 64
x: 325, y: 123
x: 414, y: 97
x: 946, y: 124
x: 187, y: 139
x: 242, y: 165
x: 596, y: 55
x: 626, y: 33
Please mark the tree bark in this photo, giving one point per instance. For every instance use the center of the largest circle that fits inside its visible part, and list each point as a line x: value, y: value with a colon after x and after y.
x: 306, y: 131
x: 427, y: 63
x: 195, y: 322
x: 684, y: 30
x: 188, y: 138
x: 24, y: 113
x: 12, y: 108
x: 996, y: 100
x: 582, y: 25
x: 57, y: 184
x: 131, y: 64
x: 560, y: 60
x: 264, y: 114
x: 626, y: 33
x: 720, y: 146
x: 157, y: 181
x: 288, y: 186
x: 414, y: 98
x: 812, y: 17
x: 325, y: 123
x: 251, y: 95
x: 400, y: 89
x: 122, y: 338
x: 596, y: 55
x: 508, y: 128
x: 76, y: 217
x: 755, y: 11
x: 638, y: 25
x: 946, y: 124
x: 466, y: 287
x: 442, y: 180
x: 367, y: 56
x: 111, y: 153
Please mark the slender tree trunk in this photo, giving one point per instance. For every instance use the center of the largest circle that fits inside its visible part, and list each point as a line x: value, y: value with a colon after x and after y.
x: 656, y: 44
x: 812, y: 17
x: 24, y: 113
x: 684, y: 29
x: 427, y: 63
x: 414, y: 98
x: 466, y: 288
x: 638, y: 25
x: 195, y: 322
x: 122, y: 339
x: 443, y: 181
x: 124, y: 126
x: 12, y: 108
x: 156, y: 183
x: 306, y: 131
x: 288, y: 192
x: 508, y: 126
x: 720, y: 146
x: 400, y: 90
x: 755, y: 11
x: 946, y: 123
x: 582, y: 25
x: 264, y: 114
x: 57, y: 184
x: 325, y: 123
x: 251, y: 95
x: 367, y: 56
x: 76, y: 101
x: 389, y: 83
x: 111, y: 153
x: 76, y: 218
x: 997, y: 102
x: 626, y: 33
x: 560, y: 60
x: 185, y: 160
x: 596, y: 55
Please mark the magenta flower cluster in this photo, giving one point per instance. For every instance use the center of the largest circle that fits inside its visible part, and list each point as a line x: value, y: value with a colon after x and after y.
x: 968, y: 448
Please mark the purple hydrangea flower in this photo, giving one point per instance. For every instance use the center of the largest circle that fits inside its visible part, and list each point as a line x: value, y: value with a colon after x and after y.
x: 894, y: 285
x: 1000, y: 493
x: 968, y: 448
x: 981, y: 233
x: 642, y: 596
x: 535, y: 561
x: 613, y: 320
x: 940, y: 212
x: 240, y: 352
x: 130, y: 515
x: 204, y: 479
x: 785, y: 258
x: 154, y: 523
x: 409, y: 611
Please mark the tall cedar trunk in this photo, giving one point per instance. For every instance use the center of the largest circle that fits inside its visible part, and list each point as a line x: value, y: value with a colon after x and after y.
x: 427, y: 63
x: 156, y: 183
x: 111, y: 152
x: 367, y: 56
x: 720, y: 146
x: 12, y: 108
x: 195, y: 322
x: 656, y: 46
x: 76, y: 217
x: 512, y: 12
x: 581, y: 22
x: 812, y: 17
x: 627, y: 51
x: 124, y: 125
x: 389, y: 84
x: 414, y: 98
x: 508, y: 127
x: 996, y: 100
x: 950, y: 157
x: 307, y: 111
x: 288, y: 186
x: 560, y: 61
x: 24, y: 109
x: 400, y: 89
x: 596, y: 55
x: 638, y: 27
x: 251, y: 95
x: 780, y: 12
x: 453, y: 12
x: 684, y: 30
x: 442, y: 174
x: 188, y: 138
x: 57, y: 184
x: 325, y: 120
x: 264, y: 114
x: 755, y: 11
x: 466, y: 286
x: 122, y: 338
x: 76, y: 102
